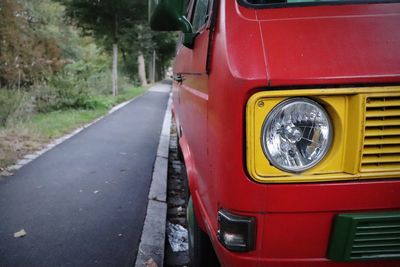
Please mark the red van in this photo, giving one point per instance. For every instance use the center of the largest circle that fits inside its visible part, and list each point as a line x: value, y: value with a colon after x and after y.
x: 288, y: 115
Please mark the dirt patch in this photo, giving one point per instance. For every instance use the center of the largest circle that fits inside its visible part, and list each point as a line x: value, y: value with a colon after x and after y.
x: 17, y: 141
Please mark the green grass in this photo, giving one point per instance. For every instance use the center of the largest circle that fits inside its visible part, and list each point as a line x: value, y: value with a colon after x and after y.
x: 21, y: 138
x: 129, y: 94
x: 57, y: 123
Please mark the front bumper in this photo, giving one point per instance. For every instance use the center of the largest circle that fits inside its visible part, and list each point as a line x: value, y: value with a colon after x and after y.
x: 287, y: 239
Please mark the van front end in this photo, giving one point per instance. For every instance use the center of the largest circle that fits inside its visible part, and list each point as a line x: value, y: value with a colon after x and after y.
x: 304, y: 137
x: 342, y: 211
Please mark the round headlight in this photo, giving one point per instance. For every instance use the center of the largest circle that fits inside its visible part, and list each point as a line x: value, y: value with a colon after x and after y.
x: 296, y: 134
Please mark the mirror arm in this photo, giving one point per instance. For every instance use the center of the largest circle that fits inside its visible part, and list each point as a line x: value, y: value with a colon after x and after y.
x: 185, y: 25
x: 167, y: 15
x: 188, y: 34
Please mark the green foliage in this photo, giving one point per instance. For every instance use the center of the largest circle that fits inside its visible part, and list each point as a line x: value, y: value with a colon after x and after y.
x: 15, y: 106
x: 82, y: 85
x: 26, y: 54
x: 125, y: 23
x: 9, y: 103
x: 54, y: 67
x: 106, y: 19
x: 36, y: 42
x: 67, y: 90
x: 165, y: 45
x: 68, y: 93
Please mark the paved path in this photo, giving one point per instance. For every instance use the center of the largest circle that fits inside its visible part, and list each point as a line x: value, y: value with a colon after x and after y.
x: 83, y: 203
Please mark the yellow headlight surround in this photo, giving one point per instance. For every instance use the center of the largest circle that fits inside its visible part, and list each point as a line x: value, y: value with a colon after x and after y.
x: 346, y: 108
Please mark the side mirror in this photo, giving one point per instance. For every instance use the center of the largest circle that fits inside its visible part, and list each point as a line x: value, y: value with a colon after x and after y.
x: 168, y: 15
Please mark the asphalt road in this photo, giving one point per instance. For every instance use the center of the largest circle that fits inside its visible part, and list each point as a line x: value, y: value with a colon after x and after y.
x: 83, y: 203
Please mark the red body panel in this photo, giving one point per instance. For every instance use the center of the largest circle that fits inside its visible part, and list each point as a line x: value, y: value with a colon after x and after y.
x: 358, y: 44
x: 262, y: 49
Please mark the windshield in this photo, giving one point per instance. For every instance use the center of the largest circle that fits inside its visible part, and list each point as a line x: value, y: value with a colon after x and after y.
x: 267, y: 3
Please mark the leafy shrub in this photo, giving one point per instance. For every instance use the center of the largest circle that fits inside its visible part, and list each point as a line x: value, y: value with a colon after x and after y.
x: 45, y: 98
x: 63, y: 91
x: 25, y: 109
x: 70, y: 92
x: 9, y: 103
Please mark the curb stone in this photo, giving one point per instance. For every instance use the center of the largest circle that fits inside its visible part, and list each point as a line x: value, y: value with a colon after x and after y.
x: 152, y: 242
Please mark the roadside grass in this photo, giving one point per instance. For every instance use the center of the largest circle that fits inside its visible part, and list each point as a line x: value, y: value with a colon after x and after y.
x: 19, y: 138
x: 129, y: 94
x: 57, y: 123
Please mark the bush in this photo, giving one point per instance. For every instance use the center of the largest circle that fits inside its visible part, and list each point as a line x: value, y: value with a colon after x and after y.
x: 63, y: 91
x: 70, y: 92
x: 45, y: 98
x: 7, y: 106
x: 14, y: 104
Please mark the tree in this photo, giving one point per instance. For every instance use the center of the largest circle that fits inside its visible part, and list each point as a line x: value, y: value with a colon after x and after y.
x: 26, y: 54
x: 165, y: 46
x: 107, y: 21
x: 141, y: 42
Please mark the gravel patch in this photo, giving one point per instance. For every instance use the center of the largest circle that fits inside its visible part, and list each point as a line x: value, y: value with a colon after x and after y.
x: 177, y: 196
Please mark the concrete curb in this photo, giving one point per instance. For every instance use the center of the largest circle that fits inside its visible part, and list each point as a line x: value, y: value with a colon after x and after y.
x: 152, y: 242
x: 30, y: 157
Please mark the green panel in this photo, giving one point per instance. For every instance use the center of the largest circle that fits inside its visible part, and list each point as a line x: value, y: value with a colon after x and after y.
x: 364, y: 236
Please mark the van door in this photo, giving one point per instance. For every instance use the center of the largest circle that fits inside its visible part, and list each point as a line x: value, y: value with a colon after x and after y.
x: 191, y: 91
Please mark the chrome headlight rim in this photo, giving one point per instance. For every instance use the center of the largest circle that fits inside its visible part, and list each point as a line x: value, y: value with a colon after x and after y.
x: 272, y: 114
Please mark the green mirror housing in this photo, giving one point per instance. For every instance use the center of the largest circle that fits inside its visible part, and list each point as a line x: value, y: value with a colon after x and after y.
x: 168, y: 15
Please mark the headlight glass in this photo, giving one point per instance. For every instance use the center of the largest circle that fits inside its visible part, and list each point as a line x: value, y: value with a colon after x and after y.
x: 296, y: 134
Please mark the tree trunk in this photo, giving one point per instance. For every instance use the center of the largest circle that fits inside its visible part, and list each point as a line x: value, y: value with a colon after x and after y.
x: 115, y: 70
x: 123, y: 53
x: 142, y: 69
x: 153, y: 68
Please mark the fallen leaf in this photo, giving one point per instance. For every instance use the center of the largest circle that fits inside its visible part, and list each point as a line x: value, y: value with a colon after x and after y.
x: 150, y: 263
x: 20, y: 233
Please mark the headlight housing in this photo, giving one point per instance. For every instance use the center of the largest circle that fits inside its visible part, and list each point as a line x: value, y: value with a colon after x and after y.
x: 296, y: 134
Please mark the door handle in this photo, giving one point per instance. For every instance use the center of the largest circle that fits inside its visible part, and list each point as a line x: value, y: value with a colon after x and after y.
x: 178, y: 78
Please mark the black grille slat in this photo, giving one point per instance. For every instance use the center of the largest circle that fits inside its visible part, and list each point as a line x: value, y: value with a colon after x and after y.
x: 376, y: 244
x: 376, y: 250
x: 379, y: 232
x: 375, y: 239
x: 389, y: 226
x: 376, y: 255
x: 378, y: 239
